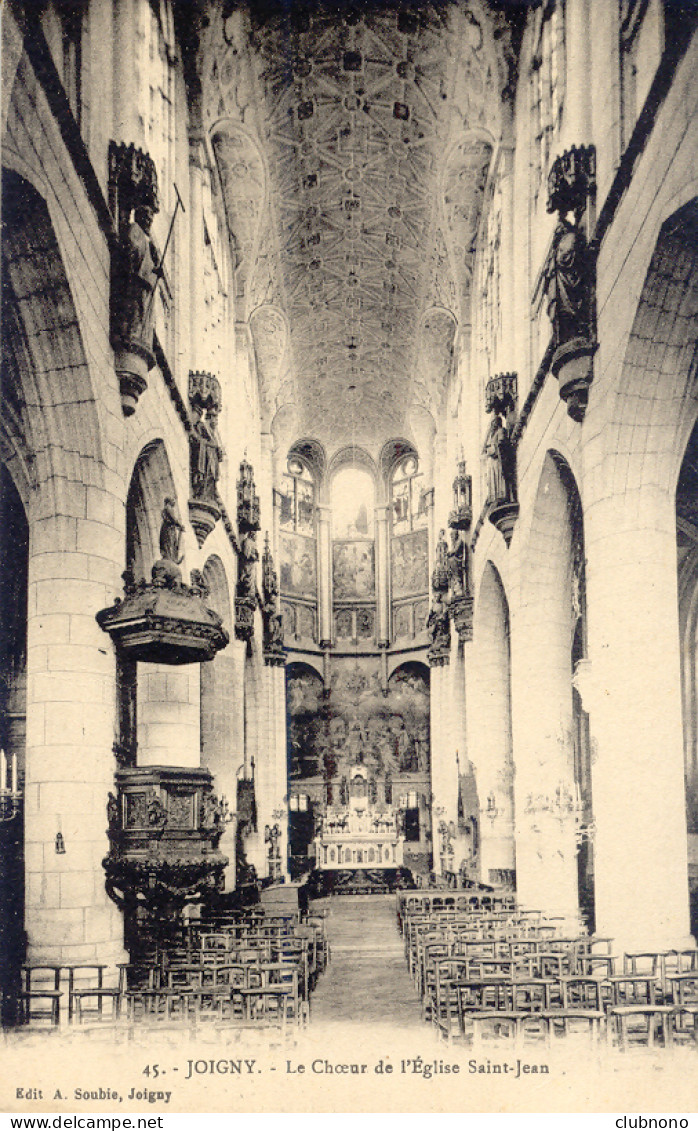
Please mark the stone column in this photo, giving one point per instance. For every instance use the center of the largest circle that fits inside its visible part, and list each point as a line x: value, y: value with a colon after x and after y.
x: 382, y: 576
x: 277, y: 675
x: 270, y: 766
x: 221, y: 743
x: 489, y: 727
x: 578, y: 88
x: 546, y: 862
x: 74, y: 566
x: 196, y: 251
x: 443, y: 758
x: 324, y: 573
x: 126, y: 119
x: 169, y: 710
x: 632, y: 692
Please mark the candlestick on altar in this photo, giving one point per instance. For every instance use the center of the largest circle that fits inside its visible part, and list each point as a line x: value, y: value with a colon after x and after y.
x: 14, y: 773
x: 3, y: 770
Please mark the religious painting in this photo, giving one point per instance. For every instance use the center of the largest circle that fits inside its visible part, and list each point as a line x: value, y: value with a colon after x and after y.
x: 386, y: 733
x: 297, y: 565
x: 410, y: 564
x: 306, y: 727
x: 353, y: 569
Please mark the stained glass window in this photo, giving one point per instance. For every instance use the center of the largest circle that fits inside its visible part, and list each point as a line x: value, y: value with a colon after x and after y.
x: 409, y: 504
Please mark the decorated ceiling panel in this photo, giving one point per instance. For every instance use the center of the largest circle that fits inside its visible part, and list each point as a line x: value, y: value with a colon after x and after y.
x: 354, y: 181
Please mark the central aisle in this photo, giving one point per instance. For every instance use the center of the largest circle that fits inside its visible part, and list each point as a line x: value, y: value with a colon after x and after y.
x: 367, y: 978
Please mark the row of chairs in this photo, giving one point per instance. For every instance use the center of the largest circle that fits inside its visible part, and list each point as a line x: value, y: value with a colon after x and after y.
x: 242, y: 972
x: 514, y: 973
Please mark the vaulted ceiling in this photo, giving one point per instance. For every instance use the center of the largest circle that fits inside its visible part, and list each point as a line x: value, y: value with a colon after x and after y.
x: 354, y: 146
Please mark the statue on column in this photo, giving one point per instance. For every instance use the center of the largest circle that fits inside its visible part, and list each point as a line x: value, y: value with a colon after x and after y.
x: 501, y: 465
x: 246, y: 595
x: 569, y: 276
x: 206, y: 453
x: 439, y: 629
x: 135, y: 269
x: 273, y: 643
x: 247, y: 565
x: 458, y: 571
x: 135, y: 309
x: 500, y: 453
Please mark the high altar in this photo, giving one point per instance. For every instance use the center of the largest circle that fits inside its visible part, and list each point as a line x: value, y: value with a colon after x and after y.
x: 360, y: 834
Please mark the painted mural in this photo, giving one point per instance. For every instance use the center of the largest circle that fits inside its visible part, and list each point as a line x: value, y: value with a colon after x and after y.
x: 355, y: 723
x: 353, y: 570
x: 299, y: 620
x: 297, y: 565
x: 410, y: 564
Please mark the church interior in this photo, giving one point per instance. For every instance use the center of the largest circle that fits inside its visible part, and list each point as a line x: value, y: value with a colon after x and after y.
x: 349, y: 541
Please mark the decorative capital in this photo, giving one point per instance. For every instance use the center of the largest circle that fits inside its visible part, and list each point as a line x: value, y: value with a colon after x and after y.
x: 571, y: 181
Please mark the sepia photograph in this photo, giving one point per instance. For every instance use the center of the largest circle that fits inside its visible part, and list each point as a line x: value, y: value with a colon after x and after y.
x: 348, y: 558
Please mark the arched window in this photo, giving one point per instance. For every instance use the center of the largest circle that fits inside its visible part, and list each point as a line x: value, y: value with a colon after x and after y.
x: 547, y: 87
x: 353, y: 500
x: 408, y: 497
x: 409, y: 552
x: 297, y: 499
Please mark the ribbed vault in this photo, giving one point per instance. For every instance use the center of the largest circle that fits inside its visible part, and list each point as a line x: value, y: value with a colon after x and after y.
x: 353, y: 146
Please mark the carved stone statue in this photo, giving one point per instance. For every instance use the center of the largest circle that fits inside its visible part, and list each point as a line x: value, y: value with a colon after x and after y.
x: 569, y: 284
x: 438, y: 624
x: 458, y: 565
x: 276, y: 630
x: 247, y: 561
x: 171, y: 530
x: 113, y: 815
x: 501, y: 472
x: 206, y: 454
x: 134, y: 306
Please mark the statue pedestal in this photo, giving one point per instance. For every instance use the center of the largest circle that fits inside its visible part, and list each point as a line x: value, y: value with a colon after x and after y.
x: 244, y: 617
x: 203, y: 517
x: 503, y: 516
x: 573, y: 366
x: 132, y: 362
x: 462, y: 612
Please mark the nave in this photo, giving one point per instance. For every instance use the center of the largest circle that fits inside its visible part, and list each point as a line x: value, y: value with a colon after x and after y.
x: 367, y: 981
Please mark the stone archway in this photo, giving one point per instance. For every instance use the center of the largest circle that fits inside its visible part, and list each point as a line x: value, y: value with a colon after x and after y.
x: 53, y: 443
x: 543, y: 624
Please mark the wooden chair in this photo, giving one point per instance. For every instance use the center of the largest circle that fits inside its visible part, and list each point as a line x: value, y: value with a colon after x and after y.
x: 646, y: 1024
x: 94, y: 991
x: 39, y: 996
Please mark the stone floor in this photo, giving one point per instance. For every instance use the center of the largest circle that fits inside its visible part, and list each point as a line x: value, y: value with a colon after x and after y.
x: 367, y: 979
